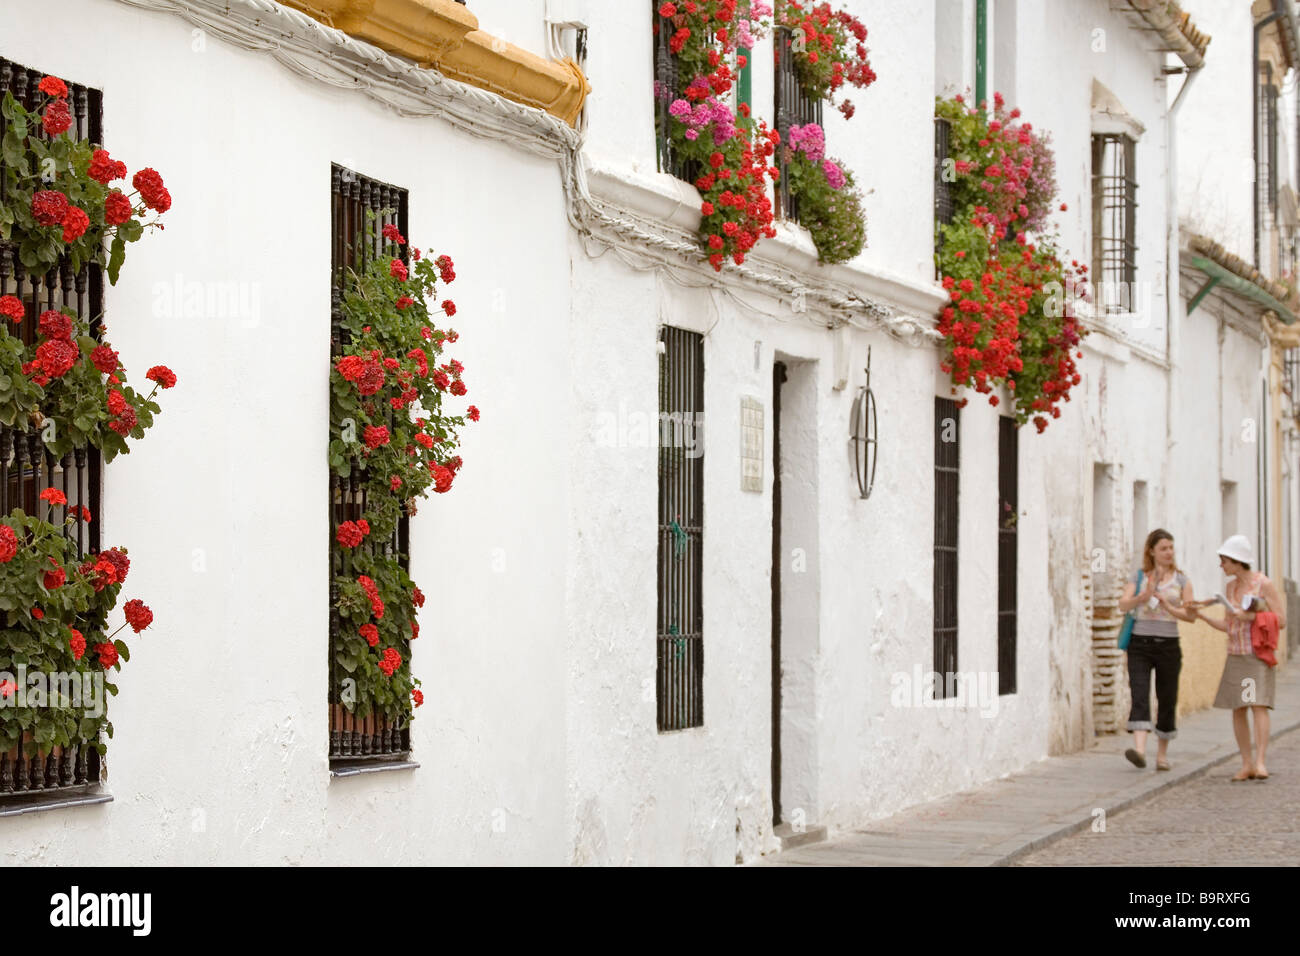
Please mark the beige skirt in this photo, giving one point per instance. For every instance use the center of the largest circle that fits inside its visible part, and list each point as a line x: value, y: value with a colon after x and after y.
x: 1247, y: 682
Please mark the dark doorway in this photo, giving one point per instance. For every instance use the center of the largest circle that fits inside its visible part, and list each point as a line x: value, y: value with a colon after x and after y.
x: 778, y: 377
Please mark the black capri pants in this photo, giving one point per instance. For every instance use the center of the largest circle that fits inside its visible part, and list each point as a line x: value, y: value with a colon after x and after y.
x: 1164, y: 655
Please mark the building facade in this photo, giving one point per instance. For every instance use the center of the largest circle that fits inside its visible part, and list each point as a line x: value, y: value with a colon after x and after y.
x: 643, y: 644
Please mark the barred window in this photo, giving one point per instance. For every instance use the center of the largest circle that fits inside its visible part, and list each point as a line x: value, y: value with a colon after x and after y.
x: 793, y: 108
x: 1114, y: 221
x: 679, y: 633
x: 30, y: 773
x: 1265, y: 162
x: 665, y: 91
x: 1008, y: 511
x: 947, y: 462
x: 353, y: 738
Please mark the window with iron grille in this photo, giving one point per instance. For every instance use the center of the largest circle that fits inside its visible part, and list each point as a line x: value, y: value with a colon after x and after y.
x: 1008, y: 505
x: 943, y: 205
x: 1265, y: 161
x: 1114, y: 220
x: 29, y: 773
x: 679, y: 632
x: 947, y: 461
x: 665, y: 91
x: 352, y: 197
x: 793, y: 108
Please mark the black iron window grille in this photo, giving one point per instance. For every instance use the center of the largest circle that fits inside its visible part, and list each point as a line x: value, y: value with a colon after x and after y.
x: 27, y: 467
x: 1291, y: 375
x: 1265, y: 193
x: 352, y: 196
x: 943, y: 207
x: 679, y: 632
x: 793, y: 108
x: 947, y: 462
x: 1008, y: 505
x: 665, y: 91
x: 1114, y: 221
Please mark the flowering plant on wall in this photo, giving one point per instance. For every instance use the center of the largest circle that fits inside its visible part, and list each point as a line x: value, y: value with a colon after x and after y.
x: 829, y: 49
x: 393, y: 435
x: 729, y: 152
x: 62, y: 390
x: 830, y: 205
x: 59, y: 194
x: 1010, y: 318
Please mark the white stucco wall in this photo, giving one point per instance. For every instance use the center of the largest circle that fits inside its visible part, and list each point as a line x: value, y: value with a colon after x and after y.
x: 221, y: 720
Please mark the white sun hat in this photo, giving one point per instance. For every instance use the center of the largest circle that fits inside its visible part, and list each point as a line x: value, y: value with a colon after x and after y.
x: 1238, y: 549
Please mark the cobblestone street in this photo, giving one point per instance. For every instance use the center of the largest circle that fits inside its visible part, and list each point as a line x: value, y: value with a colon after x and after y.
x: 1205, y: 821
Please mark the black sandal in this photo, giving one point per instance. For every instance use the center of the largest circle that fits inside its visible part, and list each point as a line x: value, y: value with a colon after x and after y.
x: 1135, y: 758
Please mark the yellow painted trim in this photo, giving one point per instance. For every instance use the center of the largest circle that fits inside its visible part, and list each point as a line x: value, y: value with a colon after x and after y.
x: 444, y: 35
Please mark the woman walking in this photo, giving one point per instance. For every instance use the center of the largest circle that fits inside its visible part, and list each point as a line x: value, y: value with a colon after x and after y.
x: 1158, y: 604
x: 1247, y: 683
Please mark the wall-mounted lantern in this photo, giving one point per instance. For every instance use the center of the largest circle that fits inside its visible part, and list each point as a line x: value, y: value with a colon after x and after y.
x: 862, y: 434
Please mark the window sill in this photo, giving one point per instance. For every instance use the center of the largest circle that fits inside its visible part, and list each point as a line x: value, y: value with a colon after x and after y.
x: 353, y: 768
x: 39, y: 802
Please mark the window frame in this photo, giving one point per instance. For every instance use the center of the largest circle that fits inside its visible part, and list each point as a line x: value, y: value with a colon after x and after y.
x: 1114, y: 221
x: 947, y: 556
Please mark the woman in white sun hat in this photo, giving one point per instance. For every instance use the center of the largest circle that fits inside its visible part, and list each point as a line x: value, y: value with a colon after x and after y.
x: 1247, y: 683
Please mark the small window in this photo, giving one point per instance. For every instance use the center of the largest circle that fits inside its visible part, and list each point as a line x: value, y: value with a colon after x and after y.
x: 679, y: 633
x: 351, y: 737
x: 793, y: 108
x: 1008, y: 505
x: 947, y: 462
x: 666, y: 87
x: 1114, y: 221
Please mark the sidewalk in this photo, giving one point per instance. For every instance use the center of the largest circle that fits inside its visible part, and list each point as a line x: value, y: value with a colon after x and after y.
x: 1057, y: 796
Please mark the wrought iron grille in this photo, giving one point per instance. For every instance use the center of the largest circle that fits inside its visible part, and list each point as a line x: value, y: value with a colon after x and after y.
x: 1008, y: 511
x: 943, y: 208
x: 665, y: 91
x: 793, y: 108
x: 1114, y: 220
x: 947, y: 461
x: 1291, y: 375
x: 679, y: 634
x: 27, y: 467
x: 352, y: 196
x: 1265, y: 160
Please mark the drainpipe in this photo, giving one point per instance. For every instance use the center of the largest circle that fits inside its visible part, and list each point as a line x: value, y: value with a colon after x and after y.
x: 981, y: 50
x: 1173, y: 320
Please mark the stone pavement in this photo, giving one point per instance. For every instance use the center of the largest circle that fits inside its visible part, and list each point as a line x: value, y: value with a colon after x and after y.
x: 1007, y: 819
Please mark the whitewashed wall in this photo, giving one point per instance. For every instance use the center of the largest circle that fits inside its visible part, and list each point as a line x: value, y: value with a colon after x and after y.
x: 221, y: 721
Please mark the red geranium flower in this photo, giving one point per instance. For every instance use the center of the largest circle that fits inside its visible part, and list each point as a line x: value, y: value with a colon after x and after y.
x: 392, y: 232
x: 375, y: 435
x: 55, y: 325
x: 404, y: 302
x: 104, y: 359
x: 107, y: 654
x: 49, y: 207
x: 117, y: 208
x: 56, y: 578
x: 52, y: 86
x: 397, y: 269
x: 77, y: 643
x: 104, y: 169
x: 473, y: 413
x: 162, y: 375
x: 56, y: 357
x: 152, y: 190
x: 449, y: 307
x: 137, y: 614
x: 370, y: 633
x: 390, y: 662
x: 75, y: 223
x: 417, y: 696
x: 8, y: 544
x: 12, y: 306
x: 38, y: 614
x: 54, y: 496
x: 458, y: 387
x: 57, y: 118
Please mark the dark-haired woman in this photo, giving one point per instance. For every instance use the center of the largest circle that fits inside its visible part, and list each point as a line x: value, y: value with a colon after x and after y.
x: 1157, y: 608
